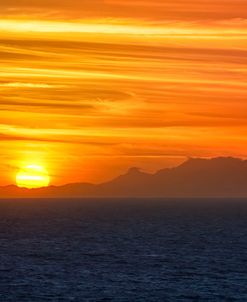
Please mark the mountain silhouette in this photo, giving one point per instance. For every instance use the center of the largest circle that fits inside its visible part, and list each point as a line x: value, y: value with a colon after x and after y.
x: 197, y: 177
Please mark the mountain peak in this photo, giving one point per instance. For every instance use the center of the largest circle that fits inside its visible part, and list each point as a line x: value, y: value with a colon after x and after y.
x: 134, y: 170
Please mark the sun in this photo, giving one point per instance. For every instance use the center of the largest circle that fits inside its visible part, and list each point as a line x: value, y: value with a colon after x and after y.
x: 32, y: 176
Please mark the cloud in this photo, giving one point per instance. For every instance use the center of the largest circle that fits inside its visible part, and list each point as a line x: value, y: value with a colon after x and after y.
x: 136, y: 80
x: 29, y: 85
x: 81, y: 141
x: 139, y: 9
x: 51, y: 105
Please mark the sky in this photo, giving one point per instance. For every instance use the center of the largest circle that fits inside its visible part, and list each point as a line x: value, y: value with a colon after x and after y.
x: 90, y: 88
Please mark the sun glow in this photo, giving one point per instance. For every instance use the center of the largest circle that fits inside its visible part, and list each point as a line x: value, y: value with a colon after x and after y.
x: 32, y: 176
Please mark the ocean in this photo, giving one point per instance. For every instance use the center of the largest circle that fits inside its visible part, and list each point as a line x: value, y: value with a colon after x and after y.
x: 123, y: 250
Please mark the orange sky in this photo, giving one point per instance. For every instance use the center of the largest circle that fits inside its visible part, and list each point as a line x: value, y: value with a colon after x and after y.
x: 90, y: 88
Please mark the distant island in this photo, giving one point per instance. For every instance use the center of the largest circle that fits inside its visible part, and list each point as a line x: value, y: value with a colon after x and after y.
x: 197, y: 177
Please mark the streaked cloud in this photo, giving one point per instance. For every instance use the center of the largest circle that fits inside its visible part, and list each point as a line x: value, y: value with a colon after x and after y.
x: 29, y: 85
x: 103, y: 85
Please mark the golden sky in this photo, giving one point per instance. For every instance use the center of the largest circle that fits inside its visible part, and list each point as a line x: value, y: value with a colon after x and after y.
x: 89, y: 88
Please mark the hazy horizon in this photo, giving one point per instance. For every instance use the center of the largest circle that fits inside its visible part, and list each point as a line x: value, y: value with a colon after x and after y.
x: 224, y: 177
x: 139, y: 169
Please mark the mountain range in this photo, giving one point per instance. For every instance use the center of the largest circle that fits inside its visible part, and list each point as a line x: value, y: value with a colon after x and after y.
x: 196, y: 177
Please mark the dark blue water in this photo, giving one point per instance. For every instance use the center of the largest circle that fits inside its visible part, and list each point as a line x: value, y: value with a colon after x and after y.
x: 123, y: 250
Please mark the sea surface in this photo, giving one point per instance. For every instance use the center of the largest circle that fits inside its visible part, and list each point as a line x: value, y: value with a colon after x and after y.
x: 123, y: 250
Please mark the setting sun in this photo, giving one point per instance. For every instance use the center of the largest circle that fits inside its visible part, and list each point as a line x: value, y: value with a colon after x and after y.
x: 32, y: 176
